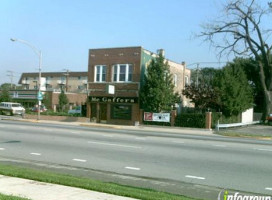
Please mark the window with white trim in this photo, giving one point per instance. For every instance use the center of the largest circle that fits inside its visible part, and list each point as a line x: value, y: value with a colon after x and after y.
x: 122, y: 72
x: 175, y: 80
x: 100, y: 73
x: 186, y: 80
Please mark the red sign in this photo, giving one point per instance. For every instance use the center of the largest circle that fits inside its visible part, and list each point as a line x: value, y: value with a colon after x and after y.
x: 148, y: 116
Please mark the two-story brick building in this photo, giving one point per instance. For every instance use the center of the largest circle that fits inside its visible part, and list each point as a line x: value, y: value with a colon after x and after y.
x: 122, y: 70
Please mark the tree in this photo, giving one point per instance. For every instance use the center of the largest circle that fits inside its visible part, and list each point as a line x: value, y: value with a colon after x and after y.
x: 63, y: 100
x: 240, y: 31
x: 8, y: 86
x: 204, y: 96
x: 4, y: 97
x: 250, y: 67
x: 235, y: 93
x: 157, y: 93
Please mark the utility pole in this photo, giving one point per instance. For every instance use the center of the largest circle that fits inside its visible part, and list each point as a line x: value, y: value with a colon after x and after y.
x: 11, y: 75
x: 67, y: 76
x: 197, y: 70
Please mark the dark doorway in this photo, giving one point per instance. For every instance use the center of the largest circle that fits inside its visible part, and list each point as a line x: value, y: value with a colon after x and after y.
x: 103, y: 112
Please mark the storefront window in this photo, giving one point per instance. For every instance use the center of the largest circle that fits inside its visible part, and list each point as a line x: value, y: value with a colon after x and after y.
x: 121, y: 112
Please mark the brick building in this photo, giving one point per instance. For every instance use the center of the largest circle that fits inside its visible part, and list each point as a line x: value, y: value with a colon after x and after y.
x: 123, y: 69
x: 75, y: 82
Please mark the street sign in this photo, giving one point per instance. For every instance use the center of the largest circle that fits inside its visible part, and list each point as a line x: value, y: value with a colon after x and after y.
x: 40, y: 96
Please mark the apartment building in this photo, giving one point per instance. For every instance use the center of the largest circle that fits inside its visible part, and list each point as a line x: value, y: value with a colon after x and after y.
x: 115, y: 76
x: 74, y: 82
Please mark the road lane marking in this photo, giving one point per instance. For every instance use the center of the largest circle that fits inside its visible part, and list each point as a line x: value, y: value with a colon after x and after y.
x: 139, y: 138
x: 79, y: 160
x: 133, y: 168
x: 112, y: 144
x: 268, y: 188
x: 36, y: 154
x: 195, y: 177
x: 219, y: 145
x: 263, y: 149
x: 178, y: 142
x: 2, y: 149
x: 107, y: 135
x: 75, y: 132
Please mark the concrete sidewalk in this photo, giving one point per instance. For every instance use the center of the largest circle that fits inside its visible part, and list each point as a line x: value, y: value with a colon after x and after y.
x: 35, y: 190
x: 147, y: 128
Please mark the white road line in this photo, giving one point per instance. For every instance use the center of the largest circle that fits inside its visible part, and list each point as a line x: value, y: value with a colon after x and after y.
x: 219, y: 145
x: 117, y: 145
x: 79, y: 160
x: 36, y: 154
x: 133, y: 168
x: 2, y: 149
x: 75, y: 132
x: 268, y: 188
x: 195, y: 177
x: 178, y: 142
x: 107, y: 135
x: 263, y: 149
x: 139, y: 138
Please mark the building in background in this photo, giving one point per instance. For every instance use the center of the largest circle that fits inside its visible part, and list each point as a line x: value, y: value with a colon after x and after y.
x: 115, y: 76
x: 52, y: 83
x: 75, y: 82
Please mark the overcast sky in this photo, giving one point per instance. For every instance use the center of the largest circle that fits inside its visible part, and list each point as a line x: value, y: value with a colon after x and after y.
x: 64, y: 30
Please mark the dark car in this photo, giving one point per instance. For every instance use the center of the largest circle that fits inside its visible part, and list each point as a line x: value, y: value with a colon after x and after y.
x: 269, y: 119
x: 42, y: 108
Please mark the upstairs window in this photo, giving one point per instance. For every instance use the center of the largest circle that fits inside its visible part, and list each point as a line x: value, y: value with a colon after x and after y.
x: 100, y: 73
x: 122, y: 73
x: 175, y: 79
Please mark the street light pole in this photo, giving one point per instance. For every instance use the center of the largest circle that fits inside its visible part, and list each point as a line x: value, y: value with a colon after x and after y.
x: 39, y: 54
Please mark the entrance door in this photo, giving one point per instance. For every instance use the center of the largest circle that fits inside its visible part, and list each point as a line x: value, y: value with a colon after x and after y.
x: 103, y: 112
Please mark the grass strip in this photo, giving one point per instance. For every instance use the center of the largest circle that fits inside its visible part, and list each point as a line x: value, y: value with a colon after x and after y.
x: 86, y: 183
x: 10, y: 197
x: 248, y: 135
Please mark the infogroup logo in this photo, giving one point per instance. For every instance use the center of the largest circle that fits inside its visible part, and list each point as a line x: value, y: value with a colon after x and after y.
x: 224, y: 195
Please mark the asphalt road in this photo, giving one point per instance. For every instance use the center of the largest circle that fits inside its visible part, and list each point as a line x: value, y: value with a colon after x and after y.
x: 193, y: 165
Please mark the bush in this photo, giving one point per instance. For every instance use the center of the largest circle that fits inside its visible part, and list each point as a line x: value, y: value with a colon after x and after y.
x: 194, y: 120
x: 224, y: 120
x: 157, y: 123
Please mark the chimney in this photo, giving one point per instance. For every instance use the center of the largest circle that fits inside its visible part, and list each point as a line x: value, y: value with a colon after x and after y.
x: 183, y: 63
x: 161, y: 51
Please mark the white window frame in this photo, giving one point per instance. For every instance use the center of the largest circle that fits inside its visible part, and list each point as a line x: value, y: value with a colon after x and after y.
x: 100, y: 73
x: 118, y: 73
x: 186, y: 80
x: 175, y: 80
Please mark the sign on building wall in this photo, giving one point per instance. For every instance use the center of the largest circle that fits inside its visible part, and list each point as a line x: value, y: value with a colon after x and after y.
x: 114, y: 99
x: 157, y: 117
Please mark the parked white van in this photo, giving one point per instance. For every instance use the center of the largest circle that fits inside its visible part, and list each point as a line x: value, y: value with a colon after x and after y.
x: 11, y: 108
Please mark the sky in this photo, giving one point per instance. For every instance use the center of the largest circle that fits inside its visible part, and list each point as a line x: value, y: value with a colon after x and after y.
x: 65, y: 30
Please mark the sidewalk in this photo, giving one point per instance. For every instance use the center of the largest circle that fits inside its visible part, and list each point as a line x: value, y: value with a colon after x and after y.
x: 146, y: 128
x: 35, y: 190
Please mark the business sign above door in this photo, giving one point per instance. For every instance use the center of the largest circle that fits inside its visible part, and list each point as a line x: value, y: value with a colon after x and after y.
x: 114, y: 99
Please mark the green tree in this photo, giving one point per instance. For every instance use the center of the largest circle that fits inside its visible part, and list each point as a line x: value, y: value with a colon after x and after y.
x: 8, y: 86
x: 235, y: 93
x: 243, y: 30
x: 63, y: 100
x: 47, y: 100
x: 4, y: 97
x: 157, y: 93
x: 250, y: 66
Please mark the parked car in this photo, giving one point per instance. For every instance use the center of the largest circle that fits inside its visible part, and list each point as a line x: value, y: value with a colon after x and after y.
x: 11, y: 108
x: 42, y: 108
x: 77, y: 110
x: 269, y: 119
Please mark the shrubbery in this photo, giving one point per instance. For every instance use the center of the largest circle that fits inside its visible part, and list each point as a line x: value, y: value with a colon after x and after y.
x: 195, y: 120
